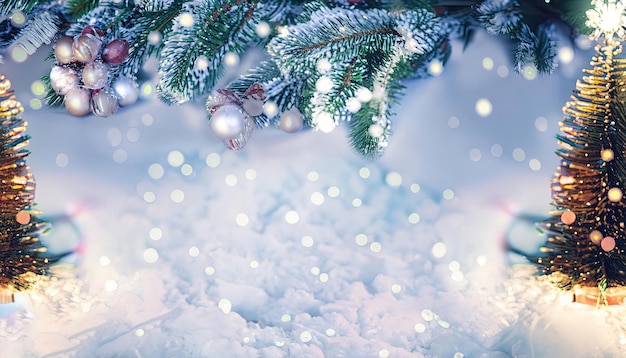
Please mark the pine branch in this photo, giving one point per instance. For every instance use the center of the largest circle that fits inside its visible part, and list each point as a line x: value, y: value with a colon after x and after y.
x: 217, y: 28
x: 80, y: 8
x: 8, y: 6
x: 40, y: 29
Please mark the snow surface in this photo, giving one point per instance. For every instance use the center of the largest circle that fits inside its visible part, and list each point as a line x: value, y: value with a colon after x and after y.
x: 296, y: 246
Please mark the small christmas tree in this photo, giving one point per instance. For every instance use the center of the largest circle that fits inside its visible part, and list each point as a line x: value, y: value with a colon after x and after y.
x: 586, y: 244
x: 20, y: 249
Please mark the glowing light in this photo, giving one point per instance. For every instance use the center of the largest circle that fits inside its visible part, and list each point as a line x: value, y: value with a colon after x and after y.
x: 285, y: 318
x: 177, y: 196
x: 448, y: 194
x: 615, y: 194
x: 133, y: 135
x: 213, y: 160
x: 150, y: 255
x: 534, y: 164
x: 454, y: 266
x: 361, y: 239
x: 420, y: 328
x: 568, y: 217
x: 383, y: 353
x: 147, y: 119
x: 483, y: 107
x: 149, y: 197
x: 254, y: 264
x: 18, y: 18
x: 139, y: 332
x: 306, y: 336
x: 225, y: 305
x: 529, y: 72
x: 453, y: 122
x: 194, y: 251
x: 62, y: 160
x: 596, y: 237
x: 364, y: 173
x: 457, y: 276
x: 317, y: 198
x: 519, y: 154
x: 439, y: 249
x: 324, y: 277
x: 186, y: 20
x: 250, y: 174
x: 324, y: 122
x: 415, y: 188
x: 38, y: 88
x: 435, y: 68
x: 22, y: 217
x: 18, y: 54
x: 323, y: 65
x: 376, y: 246
x: 209, y: 271
x: 155, y: 234
x: 356, y: 202
x: 263, y: 29
x: 502, y: 71
x: 270, y: 109
x: 154, y: 38
x: 481, y: 260
x: 230, y: 180
x: 201, y: 63
x: 315, y: 270
x: 242, y: 219
x: 330, y: 332
x: 110, y: 285
x: 376, y: 130
x: 496, y: 150
x: 607, y: 155
x: 120, y: 155
x: 608, y: 243
x: 175, y: 158
x: 395, y: 288
x: 475, y: 155
x: 564, y: 180
x: 186, y: 169
x: 364, y: 94
x: 565, y: 54
x: 414, y: 218
x: 393, y: 179
x: 541, y: 124
x: 313, y: 176
x: 607, y: 18
x: 428, y: 315
x: 292, y: 217
x: 307, y: 241
x: 353, y: 105
x: 35, y: 103
x: 333, y: 191
x: 231, y: 59
x: 487, y: 63
x: 105, y: 261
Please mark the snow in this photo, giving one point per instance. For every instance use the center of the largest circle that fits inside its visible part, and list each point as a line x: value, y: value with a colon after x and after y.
x: 296, y: 246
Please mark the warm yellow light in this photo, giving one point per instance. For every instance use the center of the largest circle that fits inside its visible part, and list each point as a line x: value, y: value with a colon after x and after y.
x: 607, y: 155
x: 615, y: 194
x: 607, y: 18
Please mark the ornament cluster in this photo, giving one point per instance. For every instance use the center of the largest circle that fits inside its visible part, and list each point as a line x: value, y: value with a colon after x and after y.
x: 230, y: 116
x: 82, y: 74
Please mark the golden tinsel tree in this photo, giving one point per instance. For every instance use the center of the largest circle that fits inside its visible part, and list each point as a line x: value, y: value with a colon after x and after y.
x: 21, y: 260
x: 586, y: 245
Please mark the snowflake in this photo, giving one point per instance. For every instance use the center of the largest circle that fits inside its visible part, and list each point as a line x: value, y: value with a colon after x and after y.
x: 607, y: 18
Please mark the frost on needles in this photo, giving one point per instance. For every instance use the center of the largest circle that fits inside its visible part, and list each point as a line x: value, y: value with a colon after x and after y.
x: 334, y: 61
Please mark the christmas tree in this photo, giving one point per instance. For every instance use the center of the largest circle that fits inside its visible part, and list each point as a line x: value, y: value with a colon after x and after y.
x: 21, y: 259
x: 586, y: 243
x: 326, y: 61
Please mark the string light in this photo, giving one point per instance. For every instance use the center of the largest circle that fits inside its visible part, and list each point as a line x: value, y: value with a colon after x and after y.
x: 607, y: 18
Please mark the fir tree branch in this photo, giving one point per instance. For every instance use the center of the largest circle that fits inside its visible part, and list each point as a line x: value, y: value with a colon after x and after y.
x: 79, y: 8
x: 217, y: 29
x: 8, y: 6
x: 40, y: 29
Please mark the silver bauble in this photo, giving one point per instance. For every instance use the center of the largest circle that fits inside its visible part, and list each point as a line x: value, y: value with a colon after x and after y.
x: 85, y: 47
x: 63, y: 79
x: 78, y: 101
x: 126, y: 91
x: 227, y: 121
x: 63, y: 50
x: 104, y: 104
x: 241, y: 140
x: 291, y: 120
x: 95, y: 75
